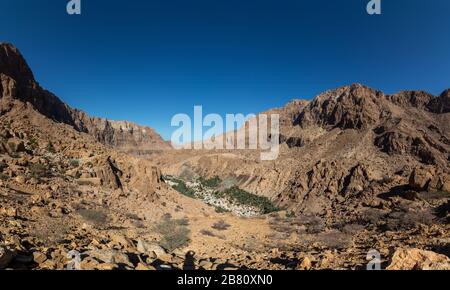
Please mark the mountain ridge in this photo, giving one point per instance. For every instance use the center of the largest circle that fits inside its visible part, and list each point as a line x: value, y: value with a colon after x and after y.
x: 357, y: 170
x: 18, y: 82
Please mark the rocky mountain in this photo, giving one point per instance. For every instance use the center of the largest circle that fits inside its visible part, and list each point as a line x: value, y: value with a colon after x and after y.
x: 346, y: 147
x: 18, y: 82
x: 358, y: 170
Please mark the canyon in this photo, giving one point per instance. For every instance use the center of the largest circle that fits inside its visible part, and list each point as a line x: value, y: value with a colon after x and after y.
x: 357, y: 170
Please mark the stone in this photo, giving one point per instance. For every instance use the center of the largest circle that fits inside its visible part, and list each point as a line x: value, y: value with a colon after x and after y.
x: 305, y: 264
x: 420, y: 178
x: 150, y: 249
x: 39, y: 257
x: 205, y: 264
x: 120, y: 240
x: 107, y: 266
x: 230, y: 268
x: 165, y: 258
x: 142, y: 267
x: 429, y: 179
x: 89, y: 263
x: 20, y: 179
x: 109, y: 256
x: 416, y: 259
x: 9, y: 212
x: 48, y: 265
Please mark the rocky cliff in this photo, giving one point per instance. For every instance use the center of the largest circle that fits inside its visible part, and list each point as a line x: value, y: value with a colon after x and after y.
x: 347, y: 147
x: 18, y: 82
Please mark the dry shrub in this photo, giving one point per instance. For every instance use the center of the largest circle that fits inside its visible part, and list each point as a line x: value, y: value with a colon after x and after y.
x: 334, y: 239
x: 98, y: 217
x: 221, y: 226
x: 175, y: 233
x: 207, y: 233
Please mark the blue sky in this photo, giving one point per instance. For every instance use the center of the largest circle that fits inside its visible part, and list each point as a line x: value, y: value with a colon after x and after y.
x: 147, y: 60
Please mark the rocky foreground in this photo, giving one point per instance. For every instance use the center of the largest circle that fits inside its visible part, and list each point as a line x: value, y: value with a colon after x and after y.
x: 358, y: 171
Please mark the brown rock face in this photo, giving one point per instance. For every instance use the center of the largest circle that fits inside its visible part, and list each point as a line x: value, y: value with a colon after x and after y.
x: 417, y: 99
x: 353, y: 107
x: 415, y: 259
x: 440, y: 105
x: 17, y: 82
x: 325, y: 184
x: 36, y: 122
x: 348, y: 147
x: 133, y: 138
x: 429, y: 179
x: 12, y: 64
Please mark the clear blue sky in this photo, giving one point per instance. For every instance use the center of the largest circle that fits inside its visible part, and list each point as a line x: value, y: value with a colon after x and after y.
x: 146, y: 60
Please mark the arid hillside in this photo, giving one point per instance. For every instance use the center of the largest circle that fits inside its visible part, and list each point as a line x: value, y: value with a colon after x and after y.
x: 358, y: 170
x: 349, y: 146
x: 18, y: 83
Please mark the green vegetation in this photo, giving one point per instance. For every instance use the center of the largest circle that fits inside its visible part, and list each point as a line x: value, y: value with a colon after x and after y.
x: 3, y: 176
x: 220, y: 209
x: 246, y: 198
x: 182, y: 188
x: 235, y: 195
x: 212, y: 182
x: 175, y: 233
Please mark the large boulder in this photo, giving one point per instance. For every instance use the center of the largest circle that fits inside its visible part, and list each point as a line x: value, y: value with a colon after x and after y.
x: 150, y: 249
x: 429, y: 179
x: 416, y: 259
x: 110, y: 256
x: 106, y: 173
x: 421, y: 177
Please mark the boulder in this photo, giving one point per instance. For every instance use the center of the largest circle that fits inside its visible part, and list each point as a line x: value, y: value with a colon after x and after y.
x: 429, y: 179
x: 20, y: 179
x: 416, y: 259
x: 110, y: 256
x: 39, y: 257
x: 150, y: 249
x: 420, y: 178
x: 305, y: 264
